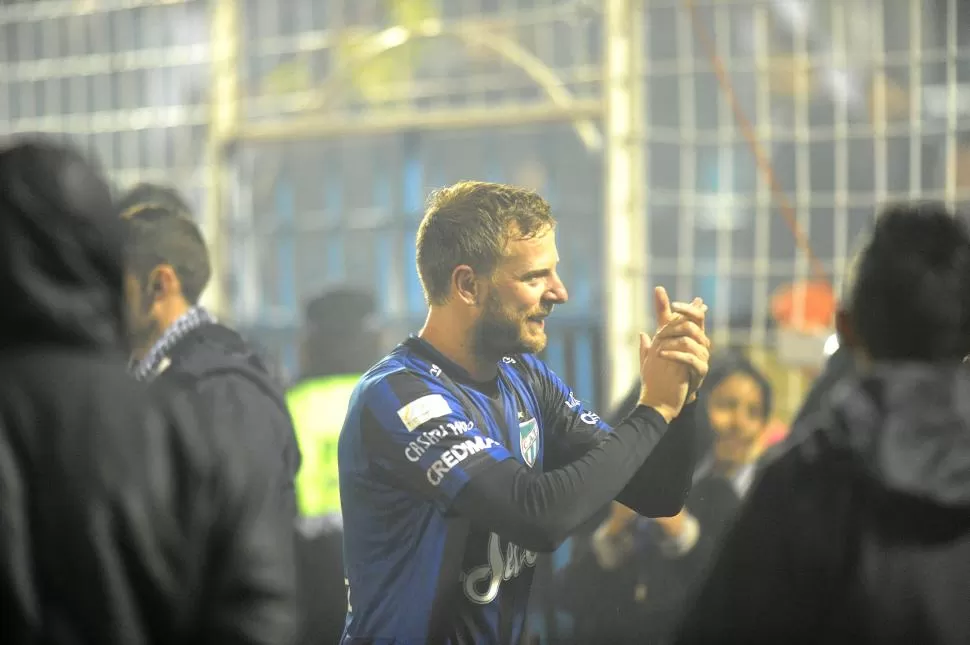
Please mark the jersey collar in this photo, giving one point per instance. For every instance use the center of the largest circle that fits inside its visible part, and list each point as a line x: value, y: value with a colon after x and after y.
x: 454, y: 371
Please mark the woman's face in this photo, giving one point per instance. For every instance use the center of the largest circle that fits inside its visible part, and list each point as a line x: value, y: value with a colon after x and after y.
x: 737, y: 413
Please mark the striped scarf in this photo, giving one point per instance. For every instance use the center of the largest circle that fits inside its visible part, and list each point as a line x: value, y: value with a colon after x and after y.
x: 155, y: 360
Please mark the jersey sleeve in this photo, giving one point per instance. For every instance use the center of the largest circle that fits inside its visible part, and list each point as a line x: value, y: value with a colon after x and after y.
x: 571, y: 427
x: 659, y: 488
x: 419, y: 433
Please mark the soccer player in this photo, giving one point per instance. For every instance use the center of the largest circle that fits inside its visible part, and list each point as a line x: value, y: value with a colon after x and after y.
x: 462, y: 454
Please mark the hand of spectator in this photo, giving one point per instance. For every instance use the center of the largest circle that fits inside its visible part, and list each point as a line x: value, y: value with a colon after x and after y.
x: 682, y: 532
x: 673, y: 526
x: 611, y: 549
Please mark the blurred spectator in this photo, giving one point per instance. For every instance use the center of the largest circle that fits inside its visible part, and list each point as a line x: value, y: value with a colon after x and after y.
x: 175, y: 340
x: 860, y: 533
x: 838, y: 367
x: 124, y: 519
x: 668, y: 554
x: 339, y: 345
x: 147, y: 196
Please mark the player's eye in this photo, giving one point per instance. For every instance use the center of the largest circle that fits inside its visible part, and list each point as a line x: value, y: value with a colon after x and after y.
x: 535, y: 276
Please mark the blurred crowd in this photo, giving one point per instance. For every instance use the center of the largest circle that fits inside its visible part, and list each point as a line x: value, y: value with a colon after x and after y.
x: 633, y: 574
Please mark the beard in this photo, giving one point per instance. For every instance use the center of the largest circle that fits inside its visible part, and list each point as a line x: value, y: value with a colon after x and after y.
x: 501, y: 332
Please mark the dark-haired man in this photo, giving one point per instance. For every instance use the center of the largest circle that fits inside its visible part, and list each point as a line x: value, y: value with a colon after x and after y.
x: 174, y: 339
x: 859, y: 534
x: 463, y: 455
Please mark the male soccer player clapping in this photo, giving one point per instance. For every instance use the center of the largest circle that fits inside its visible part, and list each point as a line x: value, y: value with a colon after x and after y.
x: 462, y: 454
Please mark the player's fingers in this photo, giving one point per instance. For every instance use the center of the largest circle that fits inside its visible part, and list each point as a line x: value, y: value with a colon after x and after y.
x: 695, y: 311
x: 697, y: 366
x: 685, y: 344
x: 682, y: 327
x: 661, y: 305
x: 645, y: 345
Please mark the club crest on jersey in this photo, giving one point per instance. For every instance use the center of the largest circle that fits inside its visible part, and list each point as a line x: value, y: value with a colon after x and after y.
x: 529, y: 441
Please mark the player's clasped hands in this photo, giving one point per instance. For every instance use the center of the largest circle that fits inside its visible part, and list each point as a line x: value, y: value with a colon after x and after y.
x: 675, y: 361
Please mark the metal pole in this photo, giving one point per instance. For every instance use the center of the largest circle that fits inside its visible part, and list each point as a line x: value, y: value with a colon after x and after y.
x: 625, y: 275
x: 223, y: 123
x: 326, y: 125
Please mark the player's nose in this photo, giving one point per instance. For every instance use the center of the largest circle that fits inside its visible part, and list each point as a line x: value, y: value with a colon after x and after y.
x: 557, y: 291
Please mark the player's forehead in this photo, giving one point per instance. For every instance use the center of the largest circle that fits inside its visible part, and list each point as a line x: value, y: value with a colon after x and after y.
x: 530, y: 252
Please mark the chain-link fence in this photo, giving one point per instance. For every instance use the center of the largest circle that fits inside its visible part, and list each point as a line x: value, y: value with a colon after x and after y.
x: 766, y: 122
x: 364, y: 107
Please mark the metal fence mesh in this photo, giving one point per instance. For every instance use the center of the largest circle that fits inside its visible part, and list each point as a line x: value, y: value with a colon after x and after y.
x: 850, y: 103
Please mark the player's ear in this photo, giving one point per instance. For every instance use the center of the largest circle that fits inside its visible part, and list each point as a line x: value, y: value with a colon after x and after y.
x: 466, y: 285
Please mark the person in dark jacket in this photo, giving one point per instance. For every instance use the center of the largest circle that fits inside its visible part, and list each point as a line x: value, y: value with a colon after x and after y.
x: 838, y: 367
x: 124, y: 519
x: 861, y: 533
x: 176, y: 340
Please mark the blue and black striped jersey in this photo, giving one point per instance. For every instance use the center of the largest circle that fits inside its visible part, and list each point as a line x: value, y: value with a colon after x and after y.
x: 417, y: 432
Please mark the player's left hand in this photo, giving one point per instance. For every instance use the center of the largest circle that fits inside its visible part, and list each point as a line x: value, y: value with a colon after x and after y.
x: 695, y: 311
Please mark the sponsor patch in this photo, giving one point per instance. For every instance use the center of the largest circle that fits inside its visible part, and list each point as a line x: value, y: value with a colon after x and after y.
x: 424, y: 409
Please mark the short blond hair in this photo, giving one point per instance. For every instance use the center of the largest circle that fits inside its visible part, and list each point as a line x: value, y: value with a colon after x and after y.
x: 471, y: 223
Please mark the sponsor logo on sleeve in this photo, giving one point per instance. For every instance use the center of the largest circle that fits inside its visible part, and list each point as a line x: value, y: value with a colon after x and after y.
x: 572, y: 402
x: 590, y: 418
x: 455, y: 455
x: 422, y: 410
x: 426, y: 440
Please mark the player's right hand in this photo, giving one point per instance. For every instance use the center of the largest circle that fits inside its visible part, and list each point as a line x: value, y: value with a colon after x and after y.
x: 675, y: 360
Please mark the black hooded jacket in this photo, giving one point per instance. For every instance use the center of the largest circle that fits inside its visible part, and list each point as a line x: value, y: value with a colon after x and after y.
x: 861, y: 533
x: 122, y: 518
x: 235, y: 392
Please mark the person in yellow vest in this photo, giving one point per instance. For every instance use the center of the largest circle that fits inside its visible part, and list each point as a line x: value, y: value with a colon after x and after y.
x: 339, y: 344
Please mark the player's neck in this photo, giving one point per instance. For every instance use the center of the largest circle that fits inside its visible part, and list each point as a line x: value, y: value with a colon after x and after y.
x: 454, y: 340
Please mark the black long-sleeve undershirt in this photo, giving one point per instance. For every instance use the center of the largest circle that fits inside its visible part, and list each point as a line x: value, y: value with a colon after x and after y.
x: 660, y: 487
x: 539, y: 510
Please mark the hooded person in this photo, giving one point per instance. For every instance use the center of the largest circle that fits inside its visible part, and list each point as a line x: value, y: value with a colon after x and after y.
x: 124, y: 519
x: 861, y: 532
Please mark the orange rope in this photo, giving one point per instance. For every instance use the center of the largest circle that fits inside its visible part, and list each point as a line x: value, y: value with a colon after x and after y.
x: 761, y: 157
